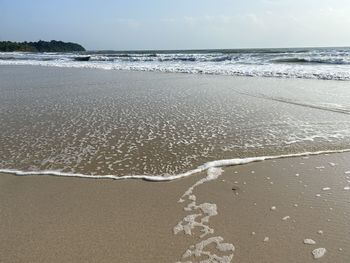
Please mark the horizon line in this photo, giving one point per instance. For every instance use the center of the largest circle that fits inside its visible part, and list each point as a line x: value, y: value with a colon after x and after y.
x: 214, y: 49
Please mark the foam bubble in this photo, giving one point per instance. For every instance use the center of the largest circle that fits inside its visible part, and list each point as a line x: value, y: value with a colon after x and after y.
x: 309, y: 241
x: 198, y: 250
x: 319, y: 252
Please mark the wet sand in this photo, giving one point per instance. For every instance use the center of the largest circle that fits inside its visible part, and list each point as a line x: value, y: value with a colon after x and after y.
x: 105, y: 122
x: 56, y: 219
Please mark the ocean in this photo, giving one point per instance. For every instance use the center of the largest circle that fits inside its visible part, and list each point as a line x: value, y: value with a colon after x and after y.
x: 306, y: 63
x: 134, y: 114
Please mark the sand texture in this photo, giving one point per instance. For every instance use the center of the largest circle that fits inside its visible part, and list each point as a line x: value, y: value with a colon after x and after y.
x: 260, y: 212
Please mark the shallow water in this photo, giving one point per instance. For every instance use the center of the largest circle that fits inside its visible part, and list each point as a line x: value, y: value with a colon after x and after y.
x: 140, y: 123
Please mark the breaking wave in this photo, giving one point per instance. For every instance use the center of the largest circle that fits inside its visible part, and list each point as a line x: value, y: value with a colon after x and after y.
x: 313, y: 63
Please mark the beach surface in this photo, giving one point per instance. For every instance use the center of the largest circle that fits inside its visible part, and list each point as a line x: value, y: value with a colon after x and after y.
x: 271, y: 211
x: 76, y: 142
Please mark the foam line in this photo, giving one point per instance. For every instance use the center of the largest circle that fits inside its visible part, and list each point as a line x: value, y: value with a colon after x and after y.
x: 166, y: 177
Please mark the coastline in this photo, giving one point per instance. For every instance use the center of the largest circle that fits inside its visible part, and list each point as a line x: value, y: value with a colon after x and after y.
x: 74, y: 219
x: 174, y: 132
x: 54, y: 218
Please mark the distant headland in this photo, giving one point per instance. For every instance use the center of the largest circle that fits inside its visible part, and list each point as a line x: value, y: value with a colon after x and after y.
x: 40, y: 46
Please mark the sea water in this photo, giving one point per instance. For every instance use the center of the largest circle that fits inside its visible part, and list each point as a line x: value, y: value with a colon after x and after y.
x: 64, y: 119
x: 314, y: 63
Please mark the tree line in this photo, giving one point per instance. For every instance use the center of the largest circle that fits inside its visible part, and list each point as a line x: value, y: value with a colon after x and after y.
x: 40, y: 46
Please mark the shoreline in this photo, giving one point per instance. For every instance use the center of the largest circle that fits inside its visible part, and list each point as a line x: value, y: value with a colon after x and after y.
x: 259, y: 209
x: 166, y: 178
x: 59, y: 219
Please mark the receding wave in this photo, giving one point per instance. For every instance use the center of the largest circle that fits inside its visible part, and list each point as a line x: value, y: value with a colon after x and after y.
x: 164, y: 178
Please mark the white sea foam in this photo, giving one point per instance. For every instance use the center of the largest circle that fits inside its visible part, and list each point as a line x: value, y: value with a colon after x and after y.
x: 319, y: 252
x: 327, y: 64
x: 167, y: 177
x: 200, y: 219
x: 198, y: 250
x: 309, y: 241
x: 206, y: 210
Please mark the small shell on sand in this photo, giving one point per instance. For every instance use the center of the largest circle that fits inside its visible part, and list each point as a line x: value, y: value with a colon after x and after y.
x: 273, y: 208
x: 319, y: 252
x: 326, y: 188
x: 266, y: 239
x: 309, y: 241
x: 286, y: 218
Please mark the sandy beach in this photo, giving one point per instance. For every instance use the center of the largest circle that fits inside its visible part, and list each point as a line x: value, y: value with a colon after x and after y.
x: 265, y: 213
x: 174, y: 131
x: 95, y: 123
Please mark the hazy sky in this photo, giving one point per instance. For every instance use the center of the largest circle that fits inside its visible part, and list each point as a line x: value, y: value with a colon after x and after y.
x: 178, y: 24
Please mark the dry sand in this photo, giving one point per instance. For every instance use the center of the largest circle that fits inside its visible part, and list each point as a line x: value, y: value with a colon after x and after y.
x: 284, y: 202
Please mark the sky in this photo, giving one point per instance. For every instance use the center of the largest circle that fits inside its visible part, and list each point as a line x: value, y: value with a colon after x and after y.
x: 178, y: 24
